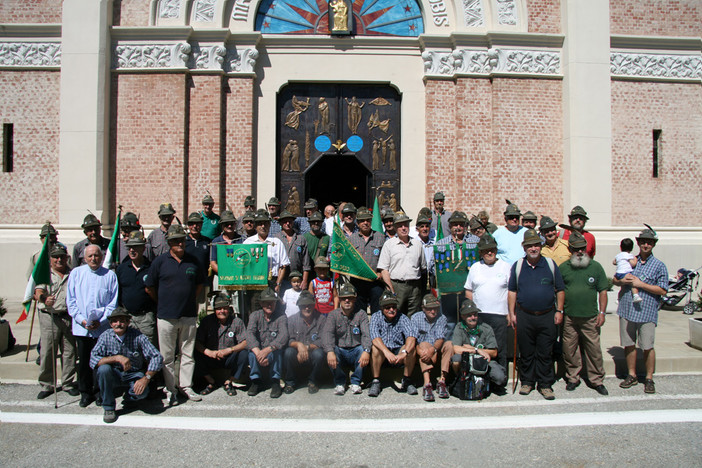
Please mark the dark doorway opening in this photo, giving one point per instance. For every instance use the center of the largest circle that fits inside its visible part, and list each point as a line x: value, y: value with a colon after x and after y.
x: 334, y: 178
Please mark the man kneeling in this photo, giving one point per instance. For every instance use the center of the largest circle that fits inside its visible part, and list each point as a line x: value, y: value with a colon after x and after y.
x: 305, y: 346
x: 394, y: 337
x: 119, y: 358
x: 470, y: 338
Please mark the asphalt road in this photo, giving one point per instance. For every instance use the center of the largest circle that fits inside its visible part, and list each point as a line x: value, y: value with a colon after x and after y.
x: 580, y: 428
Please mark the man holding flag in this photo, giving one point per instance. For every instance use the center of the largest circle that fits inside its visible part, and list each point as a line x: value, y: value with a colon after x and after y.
x: 113, y: 254
x: 368, y: 243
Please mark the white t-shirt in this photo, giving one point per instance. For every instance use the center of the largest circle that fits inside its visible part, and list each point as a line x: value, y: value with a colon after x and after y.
x: 489, y: 286
x: 623, y: 265
x: 290, y: 300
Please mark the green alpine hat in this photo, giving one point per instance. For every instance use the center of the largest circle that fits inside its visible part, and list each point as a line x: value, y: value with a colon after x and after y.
x: 176, y: 231
x: 430, y: 302
x: 578, y: 211
x: 486, y: 242
x: 576, y: 240
x: 347, y: 290
x: 546, y: 223
x: 468, y: 307
x: 439, y: 196
x: 48, y: 230
x: 221, y: 300
x: 195, y: 217
x: 316, y: 216
x: 166, y: 209
x: 388, y: 298
x: 208, y: 200
x: 268, y: 295
x: 364, y: 213
x: 306, y: 298
x: 531, y: 237
x: 530, y: 215
x: 90, y: 221
x: 227, y: 217
x: 286, y: 215
x: 458, y: 217
x: 136, y: 238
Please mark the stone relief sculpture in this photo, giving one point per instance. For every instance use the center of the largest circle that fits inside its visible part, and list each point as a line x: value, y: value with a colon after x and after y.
x: 374, y: 121
x: 169, y: 9
x: 291, y: 157
x: 354, y: 113
x: 393, y: 154
x: 380, y: 101
x: 323, y: 109
x: 382, y: 199
x: 293, y: 118
x: 204, y: 10
x: 375, y: 157
x: 293, y: 204
x: 393, y: 202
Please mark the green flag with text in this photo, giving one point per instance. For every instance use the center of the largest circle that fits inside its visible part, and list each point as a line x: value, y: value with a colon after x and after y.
x: 346, y: 260
x: 242, y: 266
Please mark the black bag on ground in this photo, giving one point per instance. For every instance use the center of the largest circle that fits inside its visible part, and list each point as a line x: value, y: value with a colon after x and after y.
x: 472, y: 381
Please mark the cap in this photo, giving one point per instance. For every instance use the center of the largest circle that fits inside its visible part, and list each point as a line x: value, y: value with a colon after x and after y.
x: 475, y: 223
x: 90, y: 221
x: 310, y: 204
x: 321, y: 262
x: 274, y: 201
x: 47, y: 229
x: 176, y: 231
x: 316, y: 216
x: 294, y: 274
x: 166, y: 209
x: 286, y: 215
x: 530, y: 216
x: 261, y: 216
x: 268, y: 295
x: 249, y: 201
x: 439, y: 196
x: 364, y: 213
x: 305, y: 298
x: 227, y: 217
x: 512, y: 210
x: 430, y: 302
x: 423, y: 219
x: 136, y: 238
x: 546, y: 223
x: 458, y: 217
x: 468, y: 307
x: 576, y: 240
x: 388, y: 298
x: 119, y: 312
x: 578, y: 211
x: 129, y: 221
x: 648, y: 234
x: 347, y: 290
x: 401, y: 217
x: 195, y: 217
x: 208, y: 200
x: 531, y: 237
x: 248, y: 216
x: 221, y: 300
x: 387, y: 214
x: 349, y: 208
x: 58, y: 250
x: 487, y: 242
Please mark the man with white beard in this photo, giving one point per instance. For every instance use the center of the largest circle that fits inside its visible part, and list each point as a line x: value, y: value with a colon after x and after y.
x: 585, y: 287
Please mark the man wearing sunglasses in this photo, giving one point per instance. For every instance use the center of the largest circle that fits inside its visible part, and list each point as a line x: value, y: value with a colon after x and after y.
x: 577, y: 219
x: 510, y: 236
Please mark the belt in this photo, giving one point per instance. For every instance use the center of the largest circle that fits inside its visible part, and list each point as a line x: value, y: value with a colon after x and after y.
x: 58, y: 314
x: 537, y: 312
x: 406, y: 281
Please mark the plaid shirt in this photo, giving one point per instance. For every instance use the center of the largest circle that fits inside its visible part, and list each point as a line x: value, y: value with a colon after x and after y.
x: 429, y: 332
x: 395, y: 333
x: 654, y: 272
x: 301, y: 225
x: 133, y: 345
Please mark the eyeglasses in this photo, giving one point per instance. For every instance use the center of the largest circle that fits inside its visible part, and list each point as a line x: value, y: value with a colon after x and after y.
x: 347, y: 298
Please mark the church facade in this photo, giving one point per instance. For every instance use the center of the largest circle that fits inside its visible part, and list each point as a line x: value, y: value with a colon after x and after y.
x: 547, y: 103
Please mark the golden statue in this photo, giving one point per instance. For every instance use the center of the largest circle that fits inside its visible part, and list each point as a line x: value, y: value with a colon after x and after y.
x: 323, y: 108
x: 341, y: 15
x: 375, y: 157
x: 291, y: 157
x: 393, y: 155
x: 292, y: 120
x: 354, y: 113
x: 293, y: 205
x: 393, y: 202
x: 374, y: 121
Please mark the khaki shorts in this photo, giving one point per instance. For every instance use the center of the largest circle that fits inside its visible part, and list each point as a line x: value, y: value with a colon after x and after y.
x: 629, y: 331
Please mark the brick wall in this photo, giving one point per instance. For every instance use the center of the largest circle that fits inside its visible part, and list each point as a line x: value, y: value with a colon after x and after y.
x: 130, y: 12
x: 544, y: 16
x: 30, y: 11
x: 656, y: 17
x: 672, y: 199
x: 441, y: 140
x: 30, y: 101
x: 204, y: 139
x: 239, y: 169
x: 148, y: 141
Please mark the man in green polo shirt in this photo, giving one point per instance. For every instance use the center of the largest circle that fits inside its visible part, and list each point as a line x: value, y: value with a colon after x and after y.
x: 585, y: 288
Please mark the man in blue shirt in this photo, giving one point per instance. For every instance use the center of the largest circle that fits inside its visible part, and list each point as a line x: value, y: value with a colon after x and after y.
x: 535, y: 300
x: 510, y: 236
x: 639, y: 320
x: 119, y: 359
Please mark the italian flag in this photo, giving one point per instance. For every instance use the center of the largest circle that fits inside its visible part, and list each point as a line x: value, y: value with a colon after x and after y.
x: 112, y: 249
x: 41, y: 274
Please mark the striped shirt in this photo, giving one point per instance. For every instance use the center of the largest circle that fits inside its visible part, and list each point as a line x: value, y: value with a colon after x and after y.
x: 654, y: 272
x: 133, y: 345
x: 430, y: 332
x: 395, y: 333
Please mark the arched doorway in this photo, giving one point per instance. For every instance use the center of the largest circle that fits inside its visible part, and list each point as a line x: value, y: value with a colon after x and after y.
x: 334, y: 178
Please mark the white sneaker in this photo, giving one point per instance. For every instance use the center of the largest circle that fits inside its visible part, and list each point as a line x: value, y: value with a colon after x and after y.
x: 192, y: 396
x: 339, y: 390
x: 355, y: 389
x: 637, y: 298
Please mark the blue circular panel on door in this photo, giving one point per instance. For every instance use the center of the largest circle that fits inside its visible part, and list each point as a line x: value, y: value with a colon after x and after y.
x: 354, y: 143
x: 322, y: 143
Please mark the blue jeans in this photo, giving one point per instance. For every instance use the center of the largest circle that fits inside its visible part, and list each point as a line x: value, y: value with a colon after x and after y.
x: 348, y: 357
x: 316, y: 358
x: 273, y: 371
x: 114, y: 382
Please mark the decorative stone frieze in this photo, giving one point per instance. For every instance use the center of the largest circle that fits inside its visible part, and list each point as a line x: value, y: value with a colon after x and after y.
x: 493, y: 61
x: 241, y: 60
x: 473, y: 13
x: 30, y: 54
x: 663, y: 66
x: 150, y: 56
x: 169, y: 9
x: 204, y: 11
x: 208, y: 57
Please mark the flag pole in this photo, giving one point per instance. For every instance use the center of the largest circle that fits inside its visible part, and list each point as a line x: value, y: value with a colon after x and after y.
x: 53, y: 359
x: 514, y: 361
x: 31, y: 327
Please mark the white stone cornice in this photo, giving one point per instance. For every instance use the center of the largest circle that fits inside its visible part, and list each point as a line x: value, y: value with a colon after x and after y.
x: 490, y: 62
x: 30, y: 55
x: 648, y: 66
x: 151, y: 56
x: 241, y: 60
x: 649, y: 43
x: 440, y: 63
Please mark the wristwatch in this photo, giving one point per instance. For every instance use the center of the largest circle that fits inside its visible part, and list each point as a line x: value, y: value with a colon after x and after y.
x: 559, y: 311
x: 403, y: 351
x: 148, y: 377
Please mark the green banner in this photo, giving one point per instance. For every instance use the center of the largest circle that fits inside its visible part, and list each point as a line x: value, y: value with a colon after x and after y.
x: 242, y: 266
x: 346, y: 260
x: 451, y: 264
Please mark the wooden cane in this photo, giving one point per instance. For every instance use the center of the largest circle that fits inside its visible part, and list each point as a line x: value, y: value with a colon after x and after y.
x: 53, y: 361
x: 31, y: 327
x: 514, y: 361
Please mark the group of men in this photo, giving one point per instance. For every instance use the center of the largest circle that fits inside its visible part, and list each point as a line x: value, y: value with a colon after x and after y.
x: 533, y: 281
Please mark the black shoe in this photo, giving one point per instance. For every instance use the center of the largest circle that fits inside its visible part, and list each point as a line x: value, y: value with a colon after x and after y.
x: 253, y: 389
x: 98, y: 401
x: 85, y: 400
x: 649, y: 386
x: 312, y: 388
x: 408, y: 387
x: 110, y: 416
x: 288, y: 389
x: 629, y: 382
x: 570, y: 386
x: 44, y: 394
x: 276, y: 390
x: 73, y: 391
x: 601, y: 390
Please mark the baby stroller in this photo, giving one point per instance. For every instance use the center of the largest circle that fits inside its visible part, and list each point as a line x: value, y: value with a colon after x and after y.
x: 683, y: 285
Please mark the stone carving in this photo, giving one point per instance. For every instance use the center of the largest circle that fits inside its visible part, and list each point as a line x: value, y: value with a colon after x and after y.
x: 243, y: 61
x: 291, y: 157
x: 527, y: 61
x: 292, y: 120
x: 169, y: 9
x: 506, y: 12
x: 30, y: 54
x: 482, y: 62
x: 438, y: 63
x: 152, y: 55
x: 204, y: 11
x: 473, y: 13
x: 209, y: 57
x: 655, y: 65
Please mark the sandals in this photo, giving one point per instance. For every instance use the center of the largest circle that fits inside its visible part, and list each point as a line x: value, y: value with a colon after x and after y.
x: 207, y: 390
x: 229, y: 388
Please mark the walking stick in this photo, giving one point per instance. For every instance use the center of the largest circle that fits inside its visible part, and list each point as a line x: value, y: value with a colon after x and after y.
x: 514, y: 361
x: 53, y: 360
x: 31, y: 327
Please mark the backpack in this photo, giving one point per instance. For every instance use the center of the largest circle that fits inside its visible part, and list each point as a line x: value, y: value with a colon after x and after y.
x: 472, y: 381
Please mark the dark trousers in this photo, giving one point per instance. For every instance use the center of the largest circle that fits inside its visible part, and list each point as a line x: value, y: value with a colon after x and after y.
x: 234, y: 364
x: 316, y: 359
x: 498, y: 323
x: 114, y: 382
x: 450, y: 305
x: 87, y: 384
x: 348, y: 357
x: 368, y: 293
x: 536, y: 335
